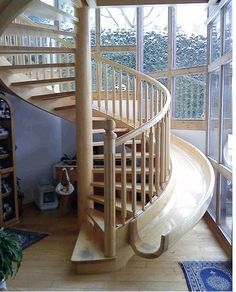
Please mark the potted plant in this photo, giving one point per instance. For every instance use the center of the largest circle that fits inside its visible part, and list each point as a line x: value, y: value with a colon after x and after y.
x: 10, y: 256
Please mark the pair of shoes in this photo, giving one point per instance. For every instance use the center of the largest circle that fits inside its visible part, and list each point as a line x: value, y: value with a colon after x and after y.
x: 2, y: 150
x: 5, y: 188
x: 3, y: 131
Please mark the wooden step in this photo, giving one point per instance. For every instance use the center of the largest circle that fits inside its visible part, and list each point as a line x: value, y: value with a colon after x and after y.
x: 97, y: 217
x: 65, y: 107
x: 100, y: 199
x: 118, y: 155
x: 87, y: 249
x: 24, y: 29
x: 23, y: 68
x: 101, y: 143
x: 129, y: 186
x: 47, y: 11
x: 100, y: 170
x: 42, y: 82
x: 117, y: 130
x: 34, y: 50
x: 53, y: 95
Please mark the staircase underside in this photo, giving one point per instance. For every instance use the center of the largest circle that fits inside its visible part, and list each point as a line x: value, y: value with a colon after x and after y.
x: 178, y: 209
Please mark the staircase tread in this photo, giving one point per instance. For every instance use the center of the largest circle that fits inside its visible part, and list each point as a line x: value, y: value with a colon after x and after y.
x: 43, y: 81
x: 100, y: 169
x: 118, y: 155
x: 117, y: 130
x: 119, y: 186
x: 100, y: 199
x: 54, y: 95
x: 86, y: 248
x: 35, y: 66
x: 101, y: 143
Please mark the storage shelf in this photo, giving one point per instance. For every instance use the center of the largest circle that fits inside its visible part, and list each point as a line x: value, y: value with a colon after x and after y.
x: 6, y: 170
x: 4, y: 156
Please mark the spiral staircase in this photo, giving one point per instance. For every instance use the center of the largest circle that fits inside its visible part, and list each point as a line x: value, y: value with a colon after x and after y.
x: 149, y: 188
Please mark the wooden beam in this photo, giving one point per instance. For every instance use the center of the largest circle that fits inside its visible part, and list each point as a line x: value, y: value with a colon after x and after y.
x: 11, y: 11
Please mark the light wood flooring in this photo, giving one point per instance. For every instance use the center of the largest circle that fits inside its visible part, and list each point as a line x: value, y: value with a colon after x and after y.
x: 46, y: 264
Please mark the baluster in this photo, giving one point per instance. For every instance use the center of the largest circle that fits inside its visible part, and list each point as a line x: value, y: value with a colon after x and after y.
x: 123, y: 185
x: 146, y: 101
x: 157, y: 158
x: 140, y: 100
x: 134, y: 100
x: 99, y: 83
x: 167, y: 144
x: 120, y: 94
x: 143, y: 171
x: 134, y: 171
x: 106, y: 86
x: 151, y: 157
x: 109, y: 192
x: 44, y: 58
x: 127, y: 97
x: 163, y: 154
x: 151, y: 101
x: 113, y: 91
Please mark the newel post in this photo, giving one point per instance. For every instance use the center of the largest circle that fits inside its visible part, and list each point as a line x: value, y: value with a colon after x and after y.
x: 109, y: 190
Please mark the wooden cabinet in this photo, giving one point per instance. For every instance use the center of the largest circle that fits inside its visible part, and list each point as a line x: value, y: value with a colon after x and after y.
x: 8, y: 190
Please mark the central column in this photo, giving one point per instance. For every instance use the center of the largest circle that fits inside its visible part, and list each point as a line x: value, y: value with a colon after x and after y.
x: 83, y: 86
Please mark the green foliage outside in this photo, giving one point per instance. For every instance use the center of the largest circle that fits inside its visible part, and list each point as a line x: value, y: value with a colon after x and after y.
x: 190, y: 52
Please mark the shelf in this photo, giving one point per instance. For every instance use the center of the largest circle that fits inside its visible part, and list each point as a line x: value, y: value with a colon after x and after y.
x: 3, y: 137
x: 6, y: 170
x: 4, y: 156
x: 4, y: 195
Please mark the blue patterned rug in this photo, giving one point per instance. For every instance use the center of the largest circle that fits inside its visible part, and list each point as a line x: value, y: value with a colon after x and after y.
x: 27, y: 237
x: 208, y: 276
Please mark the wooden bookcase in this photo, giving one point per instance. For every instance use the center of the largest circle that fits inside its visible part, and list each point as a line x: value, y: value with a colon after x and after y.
x: 8, y: 191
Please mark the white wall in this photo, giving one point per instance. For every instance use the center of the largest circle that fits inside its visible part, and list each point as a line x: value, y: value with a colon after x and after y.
x: 197, y: 138
x: 68, y: 138
x: 39, y: 145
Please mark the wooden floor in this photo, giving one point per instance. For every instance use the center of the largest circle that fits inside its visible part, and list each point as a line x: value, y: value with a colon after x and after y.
x: 46, y: 264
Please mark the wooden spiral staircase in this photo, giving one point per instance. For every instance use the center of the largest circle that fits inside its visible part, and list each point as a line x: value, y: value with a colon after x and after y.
x: 143, y: 196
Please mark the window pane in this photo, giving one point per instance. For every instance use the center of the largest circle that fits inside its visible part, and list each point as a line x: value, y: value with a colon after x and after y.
x: 163, y: 81
x: 125, y: 58
x: 189, y: 97
x: 155, y: 39
x: 92, y: 27
x: 227, y: 139
x: 214, y: 115
x: 228, y: 28
x: 226, y: 206
x: 191, y: 35
x: 118, y: 26
x: 212, y: 206
x: 215, y: 39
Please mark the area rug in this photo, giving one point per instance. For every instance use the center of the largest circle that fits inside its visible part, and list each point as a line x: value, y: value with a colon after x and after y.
x: 207, y: 275
x: 27, y: 237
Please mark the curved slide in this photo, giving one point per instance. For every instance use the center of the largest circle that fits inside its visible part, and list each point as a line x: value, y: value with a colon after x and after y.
x: 191, y: 185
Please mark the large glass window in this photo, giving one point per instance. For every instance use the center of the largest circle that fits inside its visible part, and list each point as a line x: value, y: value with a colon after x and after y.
x: 191, y: 36
x: 118, y: 26
x: 227, y: 139
x: 228, y: 28
x: 215, y: 39
x: 125, y: 58
x: 189, y: 96
x: 155, y: 39
x: 214, y: 115
x: 226, y: 206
